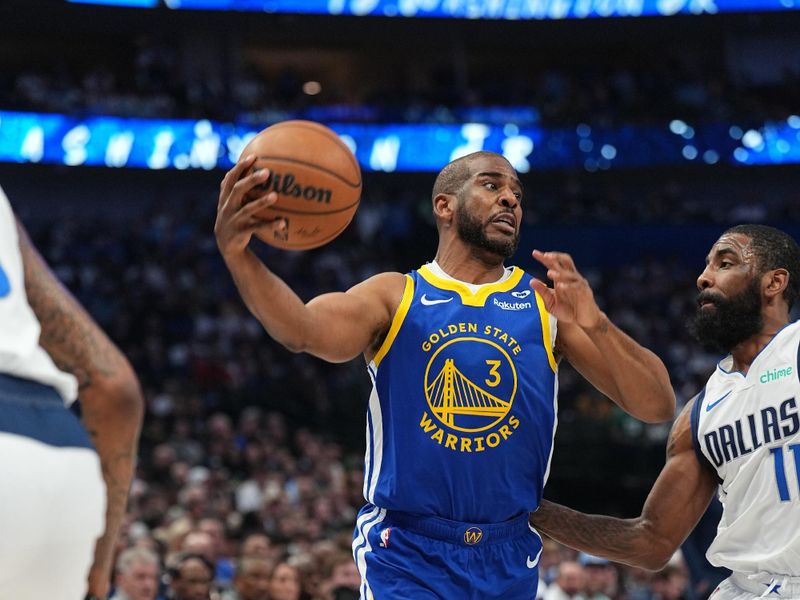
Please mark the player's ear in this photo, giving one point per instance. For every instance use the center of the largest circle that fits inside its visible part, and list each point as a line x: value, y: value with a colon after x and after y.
x: 444, y: 207
x: 775, y: 282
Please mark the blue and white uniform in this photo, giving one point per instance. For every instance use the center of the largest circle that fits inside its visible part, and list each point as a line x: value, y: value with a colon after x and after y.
x: 460, y: 432
x: 747, y: 429
x: 51, y: 488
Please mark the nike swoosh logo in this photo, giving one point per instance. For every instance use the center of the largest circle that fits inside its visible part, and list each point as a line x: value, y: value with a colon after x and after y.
x: 428, y: 302
x: 532, y: 563
x: 713, y: 404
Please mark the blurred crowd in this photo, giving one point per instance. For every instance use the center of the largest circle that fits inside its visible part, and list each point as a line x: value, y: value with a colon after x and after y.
x: 157, y: 79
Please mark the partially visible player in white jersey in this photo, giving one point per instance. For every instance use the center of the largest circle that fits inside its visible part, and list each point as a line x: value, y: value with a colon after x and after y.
x: 63, y: 489
x: 740, y: 437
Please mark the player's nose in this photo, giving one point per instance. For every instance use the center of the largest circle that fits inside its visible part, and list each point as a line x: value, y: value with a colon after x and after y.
x: 705, y: 280
x: 507, y: 198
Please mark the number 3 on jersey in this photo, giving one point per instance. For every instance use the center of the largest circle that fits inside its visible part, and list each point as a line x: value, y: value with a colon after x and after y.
x: 5, y: 284
x: 780, y: 469
x: 493, y: 366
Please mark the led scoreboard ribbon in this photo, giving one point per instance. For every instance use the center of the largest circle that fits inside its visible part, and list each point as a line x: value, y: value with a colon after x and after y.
x: 202, y: 144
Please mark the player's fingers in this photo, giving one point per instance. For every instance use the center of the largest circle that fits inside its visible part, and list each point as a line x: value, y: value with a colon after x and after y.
x: 547, y: 294
x: 246, y: 184
x: 562, y: 259
x: 564, y: 276
x: 543, y: 257
x: 253, y: 207
x: 234, y: 174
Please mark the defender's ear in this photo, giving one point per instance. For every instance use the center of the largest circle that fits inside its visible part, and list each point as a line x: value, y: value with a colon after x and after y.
x: 774, y: 282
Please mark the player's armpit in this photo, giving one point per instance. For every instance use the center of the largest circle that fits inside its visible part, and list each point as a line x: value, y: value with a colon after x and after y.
x: 340, y: 326
x: 629, y: 374
x: 678, y: 499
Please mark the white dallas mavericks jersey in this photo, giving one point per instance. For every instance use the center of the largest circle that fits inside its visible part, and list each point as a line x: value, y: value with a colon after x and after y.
x: 20, y: 352
x: 748, y: 429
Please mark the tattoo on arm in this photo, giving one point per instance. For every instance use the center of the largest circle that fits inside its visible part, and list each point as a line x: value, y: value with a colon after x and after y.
x: 68, y: 334
x: 607, y: 536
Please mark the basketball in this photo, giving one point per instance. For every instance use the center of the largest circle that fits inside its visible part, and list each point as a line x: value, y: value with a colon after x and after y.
x: 316, y: 177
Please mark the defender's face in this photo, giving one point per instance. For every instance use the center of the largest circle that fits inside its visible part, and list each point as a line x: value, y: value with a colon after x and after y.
x: 729, y: 305
x: 730, y: 268
x: 489, y: 210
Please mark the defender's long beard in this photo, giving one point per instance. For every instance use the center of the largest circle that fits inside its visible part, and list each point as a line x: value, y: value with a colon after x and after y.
x: 730, y: 322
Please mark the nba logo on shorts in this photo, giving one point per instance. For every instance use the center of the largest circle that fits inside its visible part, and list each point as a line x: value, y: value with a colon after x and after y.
x: 385, y: 537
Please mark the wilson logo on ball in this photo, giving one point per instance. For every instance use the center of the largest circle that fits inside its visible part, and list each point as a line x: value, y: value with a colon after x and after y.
x: 286, y: 184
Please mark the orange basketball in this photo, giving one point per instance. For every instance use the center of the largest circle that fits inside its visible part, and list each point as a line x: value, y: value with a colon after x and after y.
x: 316, y: 177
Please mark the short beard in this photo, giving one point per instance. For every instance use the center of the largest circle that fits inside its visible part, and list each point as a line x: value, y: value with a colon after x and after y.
x: 473, y: 232
x: 731, y: 322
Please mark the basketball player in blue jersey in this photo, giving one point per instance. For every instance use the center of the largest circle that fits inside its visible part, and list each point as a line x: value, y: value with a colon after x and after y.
x: 740, y: 437
x: 463, y: 355
x: 58, y: 521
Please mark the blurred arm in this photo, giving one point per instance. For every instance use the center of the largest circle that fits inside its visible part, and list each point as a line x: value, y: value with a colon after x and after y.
x: 111, y: 400
x: 678, y: 499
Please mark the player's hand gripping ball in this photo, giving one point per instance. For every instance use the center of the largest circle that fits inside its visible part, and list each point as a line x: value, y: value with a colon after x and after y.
x: 316, y: 177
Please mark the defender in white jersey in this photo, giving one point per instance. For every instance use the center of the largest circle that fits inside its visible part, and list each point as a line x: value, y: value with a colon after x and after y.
x: 739, y: 437
x: 58, y: 522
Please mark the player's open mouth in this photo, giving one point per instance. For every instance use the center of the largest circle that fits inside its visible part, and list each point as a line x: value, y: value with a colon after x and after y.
x: 505, y: 222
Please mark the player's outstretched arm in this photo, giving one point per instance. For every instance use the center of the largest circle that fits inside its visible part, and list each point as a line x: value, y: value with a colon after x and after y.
x: 631, y: 375
x: 111, y: 400
x: 678, y: 499
x: 336, y: 327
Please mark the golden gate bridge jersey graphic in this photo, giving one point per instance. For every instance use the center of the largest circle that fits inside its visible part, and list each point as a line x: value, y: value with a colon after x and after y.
x: 452, y: 393
x: 461, y: 416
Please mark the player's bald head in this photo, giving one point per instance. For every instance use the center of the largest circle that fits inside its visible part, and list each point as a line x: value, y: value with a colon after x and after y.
x: 455, y: 173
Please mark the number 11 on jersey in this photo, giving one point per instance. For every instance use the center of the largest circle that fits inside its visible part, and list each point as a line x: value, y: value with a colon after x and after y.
x: 780, y: 469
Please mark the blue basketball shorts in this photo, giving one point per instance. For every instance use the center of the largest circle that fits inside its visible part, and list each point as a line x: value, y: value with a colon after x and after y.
x: 51, y: 493
x: 411, y: 557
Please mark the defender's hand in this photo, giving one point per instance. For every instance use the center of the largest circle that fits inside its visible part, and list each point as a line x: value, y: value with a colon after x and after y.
x: 571, y: 299
x: 237, y: 216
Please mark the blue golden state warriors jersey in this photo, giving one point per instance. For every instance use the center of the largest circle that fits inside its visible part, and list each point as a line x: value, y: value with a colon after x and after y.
x: 462, y: 413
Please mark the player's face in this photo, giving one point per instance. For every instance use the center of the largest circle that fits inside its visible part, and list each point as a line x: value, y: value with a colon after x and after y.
x: 489, y: 210
x: 729, y: 302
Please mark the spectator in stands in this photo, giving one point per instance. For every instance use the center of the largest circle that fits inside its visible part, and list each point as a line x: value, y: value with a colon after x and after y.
x: 570, y: 583
x: 284, y: 582
x: 137, y: 575
x: 190, y: 577
x: 256, y: 545
x: 251, y: 581
x: 602, y: 578
x: 224, y: 569
x: 344, y: 581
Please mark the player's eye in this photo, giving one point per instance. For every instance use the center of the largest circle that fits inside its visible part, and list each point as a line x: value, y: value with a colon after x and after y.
x: 490, y: 185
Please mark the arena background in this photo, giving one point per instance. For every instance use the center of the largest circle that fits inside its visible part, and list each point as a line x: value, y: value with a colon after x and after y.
x: 640, y: 138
